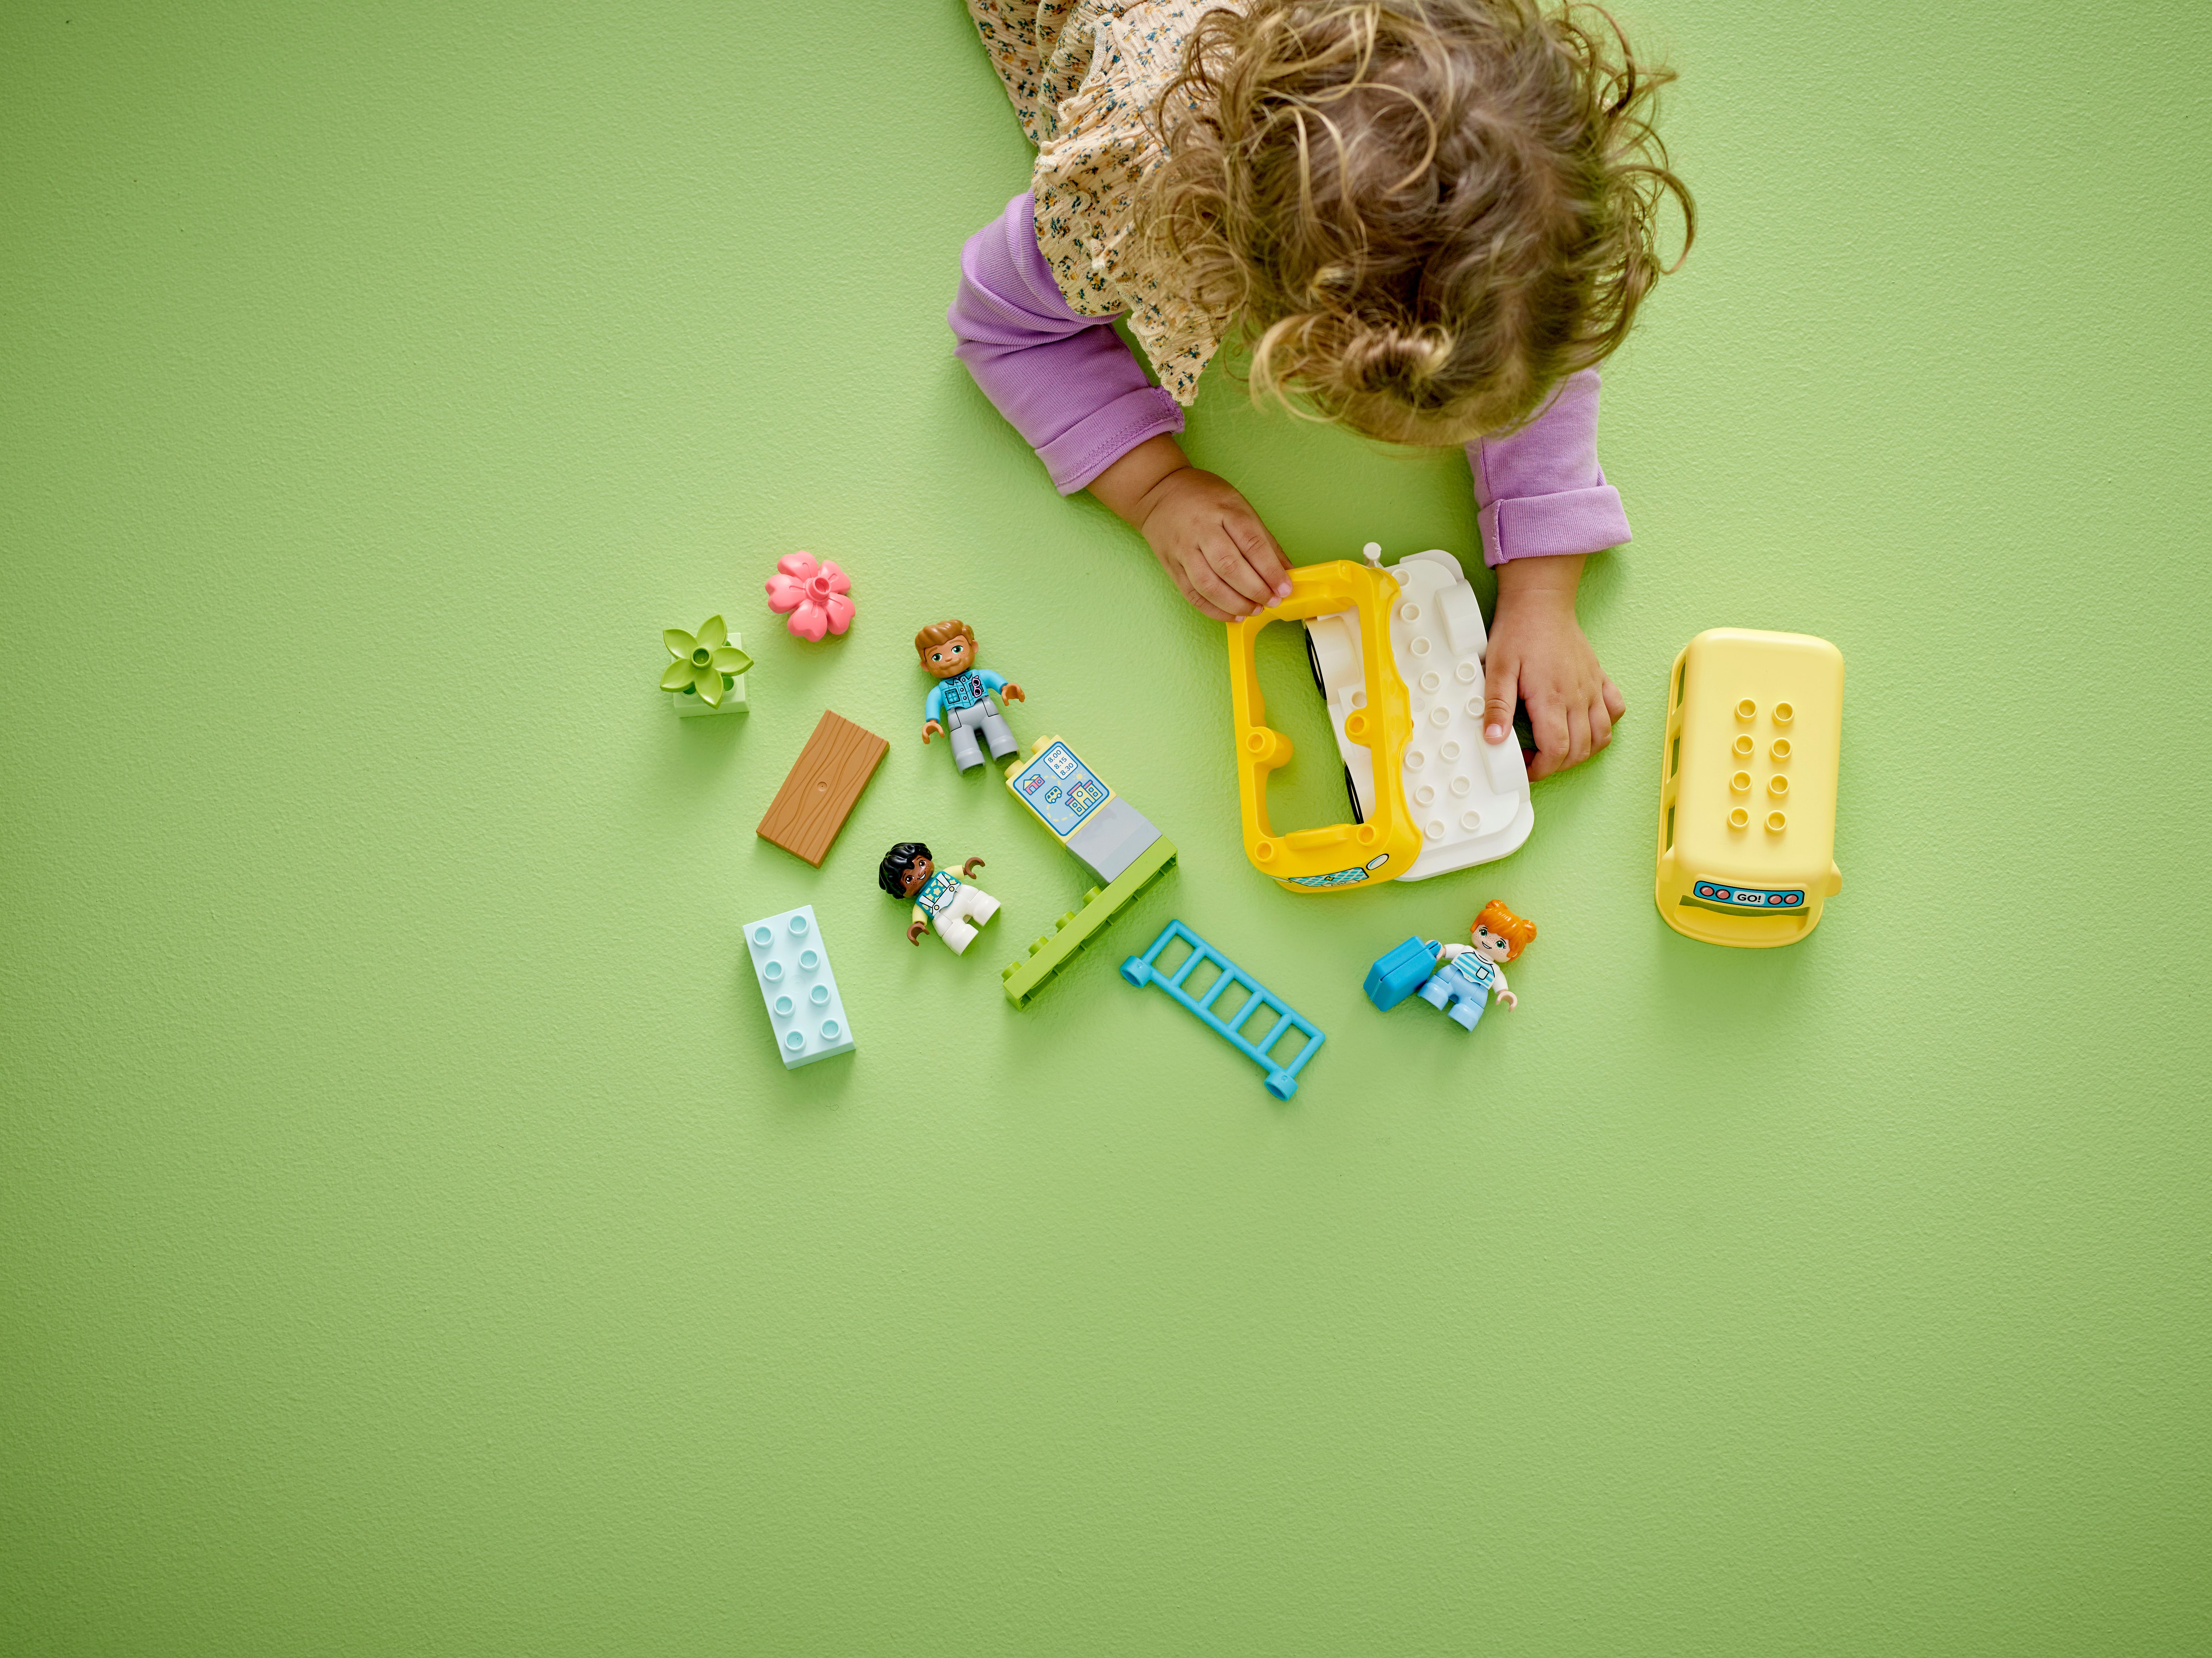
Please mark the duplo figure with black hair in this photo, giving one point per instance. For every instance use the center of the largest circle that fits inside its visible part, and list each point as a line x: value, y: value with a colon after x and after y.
x: 940, y: 899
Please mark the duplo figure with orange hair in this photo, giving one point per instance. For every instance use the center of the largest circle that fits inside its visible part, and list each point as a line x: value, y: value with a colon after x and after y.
x: 1467, y: 974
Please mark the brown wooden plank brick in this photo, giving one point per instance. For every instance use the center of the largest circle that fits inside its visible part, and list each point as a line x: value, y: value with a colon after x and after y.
x: 818, y: 797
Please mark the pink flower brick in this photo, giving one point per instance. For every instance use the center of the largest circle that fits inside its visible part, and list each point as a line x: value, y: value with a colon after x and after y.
x: 813, y: 594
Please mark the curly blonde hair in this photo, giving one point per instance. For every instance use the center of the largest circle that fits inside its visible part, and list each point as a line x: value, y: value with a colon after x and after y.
x: 1422, y: 214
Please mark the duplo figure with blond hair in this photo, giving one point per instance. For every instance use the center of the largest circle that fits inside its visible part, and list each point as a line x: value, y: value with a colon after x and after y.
x: 959, y: 704
x: 1426, y: 220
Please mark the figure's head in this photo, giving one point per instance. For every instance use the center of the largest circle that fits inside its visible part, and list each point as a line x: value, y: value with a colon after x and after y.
x: 1424, y: 214
x: 1499, y: 935
x: 906, y: 869
x: 946, y: 647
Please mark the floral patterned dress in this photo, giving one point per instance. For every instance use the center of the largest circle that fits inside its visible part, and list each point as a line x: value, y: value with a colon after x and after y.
x: 1084, y: 76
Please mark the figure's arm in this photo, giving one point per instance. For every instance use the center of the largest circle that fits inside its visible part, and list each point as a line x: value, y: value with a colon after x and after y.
x: 1498, y: 988
x: 1545, y: 505
x: 1005, y: 687
x: 919, y: 926
x: 1065, y: 381
x: 932, y: 710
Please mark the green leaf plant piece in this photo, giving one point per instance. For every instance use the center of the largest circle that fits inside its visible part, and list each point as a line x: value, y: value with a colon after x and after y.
x: 701, y: 660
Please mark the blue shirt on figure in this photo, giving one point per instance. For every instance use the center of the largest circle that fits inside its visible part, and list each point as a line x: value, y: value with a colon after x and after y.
x: 962, y: 690
x: 1473, y: 967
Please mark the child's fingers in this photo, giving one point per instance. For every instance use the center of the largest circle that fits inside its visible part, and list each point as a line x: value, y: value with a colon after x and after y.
x: 1202, y: 593
x: 1615, y: 704
x: 1208, y: 577
x: 1500, y: 674
x: 1264, y: 554
x: 1578, y: 736
x: 1280, y: 569
x: 1230, y: 559
x: 1175, y: 561
x: 1548, y: 721
x: 1204, y: 606
x: 1197, y: 600
x: 1600, y: 727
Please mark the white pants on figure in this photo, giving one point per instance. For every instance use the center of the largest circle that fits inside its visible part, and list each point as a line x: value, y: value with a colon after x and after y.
x: 969, y: 908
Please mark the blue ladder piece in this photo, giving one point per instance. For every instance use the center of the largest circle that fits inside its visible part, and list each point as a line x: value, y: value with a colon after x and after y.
x: 1282, y: 1080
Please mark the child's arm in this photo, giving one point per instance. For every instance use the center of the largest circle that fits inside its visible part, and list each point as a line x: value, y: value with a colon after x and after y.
x: 1067, y: 383
x: 1545, y: 504
x: 1063, y: 380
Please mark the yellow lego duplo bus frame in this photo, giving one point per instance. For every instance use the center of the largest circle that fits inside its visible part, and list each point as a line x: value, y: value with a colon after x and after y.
x: 1339, y: 856
x: 1748, y: 773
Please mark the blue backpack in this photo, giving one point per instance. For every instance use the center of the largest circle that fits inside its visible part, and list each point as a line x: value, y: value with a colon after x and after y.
x: 1401, y: 972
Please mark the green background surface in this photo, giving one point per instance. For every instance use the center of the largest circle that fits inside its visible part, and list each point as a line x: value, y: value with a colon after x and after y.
x: 412, y: 1242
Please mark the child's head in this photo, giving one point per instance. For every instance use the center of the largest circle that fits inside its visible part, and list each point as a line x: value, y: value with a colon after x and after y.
x: 1498, y: 934
x: 904, y: 869
x: 946, y: 647
x: 1426, y: 213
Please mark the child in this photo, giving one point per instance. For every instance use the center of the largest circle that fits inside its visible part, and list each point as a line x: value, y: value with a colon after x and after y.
x: 1467, y: 975
x: 1427, y: 220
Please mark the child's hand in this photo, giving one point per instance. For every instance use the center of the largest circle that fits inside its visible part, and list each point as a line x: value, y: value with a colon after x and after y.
x: 1213, y: 545
x: 1205, y: 534
x: 1537, y: 650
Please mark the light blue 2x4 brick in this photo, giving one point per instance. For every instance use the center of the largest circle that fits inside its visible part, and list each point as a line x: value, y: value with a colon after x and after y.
x: 790, y: 964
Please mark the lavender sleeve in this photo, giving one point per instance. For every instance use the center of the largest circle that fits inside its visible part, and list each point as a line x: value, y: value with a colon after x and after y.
x: 1063, y: 380
x: 1541, y: 489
